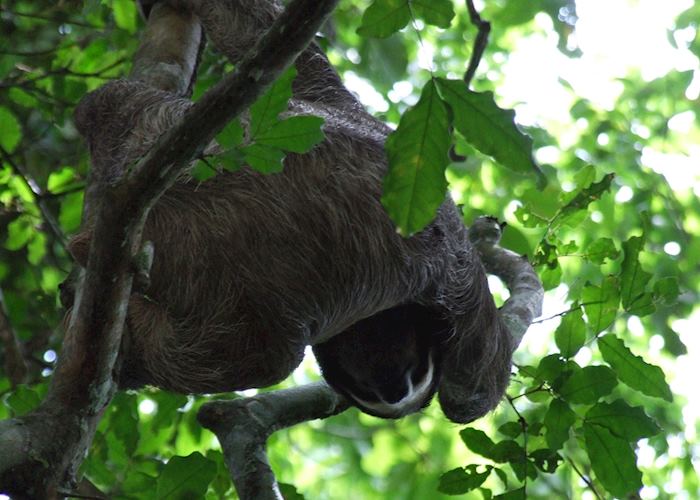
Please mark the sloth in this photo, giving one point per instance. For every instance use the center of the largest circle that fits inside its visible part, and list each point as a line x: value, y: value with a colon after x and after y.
x: 250, y: 269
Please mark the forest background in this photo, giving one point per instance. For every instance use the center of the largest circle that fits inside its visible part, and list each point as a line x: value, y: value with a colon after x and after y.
x: 602, y: 88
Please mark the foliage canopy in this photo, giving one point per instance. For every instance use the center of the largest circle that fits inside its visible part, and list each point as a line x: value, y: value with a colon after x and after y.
x: 616, y: 246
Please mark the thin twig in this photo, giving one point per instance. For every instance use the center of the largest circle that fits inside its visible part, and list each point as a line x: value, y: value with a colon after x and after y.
x: 585, y: 479
x: 480, y: 42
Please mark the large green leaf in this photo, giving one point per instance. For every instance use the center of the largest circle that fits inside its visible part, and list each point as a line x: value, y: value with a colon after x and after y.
x: 415, y: 184
x: 558, y: 420
x: 601, y: 303
x: 185, y: 477
x: 487, y: 127
x: 384, y: 17
x: 625, y: 421
x: 633, y: 370
x: 571, y: 333
x: 588, y: 384
x: 612, y: 460
x: 633, y: 279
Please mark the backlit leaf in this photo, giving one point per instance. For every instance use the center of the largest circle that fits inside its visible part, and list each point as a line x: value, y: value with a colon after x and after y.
x: 600, y: 303
x: 558, y: 420
x: 435, y: 12
x: 487, y: 127
x: 463, y: 479
x: 612, y: 460
x: 588, y: 385
x: 477, y: 441
x: 571, y: 333
x: 185, y: 477
x: 415, y: 184
x: 633, y: 279
x: 625, y: 421
x: 384, y: 17
x: 633, y: 370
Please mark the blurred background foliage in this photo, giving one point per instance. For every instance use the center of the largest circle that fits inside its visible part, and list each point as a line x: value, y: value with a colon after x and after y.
x: 625, y: 247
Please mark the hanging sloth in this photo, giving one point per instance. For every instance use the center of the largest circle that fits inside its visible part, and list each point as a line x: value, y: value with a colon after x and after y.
x: 250, y: 269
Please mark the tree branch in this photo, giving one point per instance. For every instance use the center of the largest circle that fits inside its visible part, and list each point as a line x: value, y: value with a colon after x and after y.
x: 243, y: 426
x: 526, y: 292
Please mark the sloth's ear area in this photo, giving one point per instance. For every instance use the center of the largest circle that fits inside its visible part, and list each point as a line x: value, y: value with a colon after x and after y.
x: 388, y: 365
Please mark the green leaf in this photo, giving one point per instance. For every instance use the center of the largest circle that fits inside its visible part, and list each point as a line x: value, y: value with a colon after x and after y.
x: 633, y: 370
x: 550, y: 368
x: 571, y: 333
x: 231, y: 160
x: 588, y: 385
x: 10, y: 130
x: 185, y: 477
x: 168, y: 404
x: 23, y: 400
x: 511, y: 429
x: 297, y: 134
x: 36, y: 248
x: 19, y: 232
x: 125, y: 14
x: 633, y: 279
x: 124, y: 421
x: 384, y: 17
x: 415, y: 184
x: 518, y: 494
x: 60, y: 179
x: 625, y: 421
x: 612, y: 460
x: 477, y: 441
x: 600, y: 304
x: 666, y: 290
x: 588, y: 195
x: 558, y: 421
x: 264, y: 112
x: 436, y: 12
x: 546, y: 460
x: 602, y: 249
x: 71, y: 212
x: 202, y: 171
x: 463, y: 479
x: 507, y: 451
x: 487, y: 127
x: 264, y: 158
x: 231, y: 136
x: 289, y: 492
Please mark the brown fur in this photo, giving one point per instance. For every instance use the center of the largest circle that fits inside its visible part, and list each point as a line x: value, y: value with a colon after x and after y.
x: 249, y: 269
